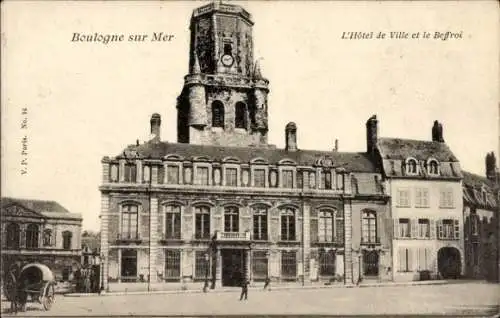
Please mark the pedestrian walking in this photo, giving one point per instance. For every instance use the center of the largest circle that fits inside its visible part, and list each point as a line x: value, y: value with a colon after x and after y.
x: 267, y: 282
x: 244, y: 289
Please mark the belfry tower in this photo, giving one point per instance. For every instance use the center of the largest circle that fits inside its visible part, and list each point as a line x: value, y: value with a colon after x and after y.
x: 224, y: 98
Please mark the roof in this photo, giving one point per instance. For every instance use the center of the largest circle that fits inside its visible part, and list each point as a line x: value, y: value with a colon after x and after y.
x: 396, y: 148
x: 39, y: 206
x: 395, y: 151
x: 351, y: 161
x: 479, y: 191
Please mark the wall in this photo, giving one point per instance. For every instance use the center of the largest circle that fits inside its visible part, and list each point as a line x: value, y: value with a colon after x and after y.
x: 434, y: 213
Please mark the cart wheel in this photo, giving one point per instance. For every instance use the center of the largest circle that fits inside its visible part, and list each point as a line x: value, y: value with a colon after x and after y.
x: 49, y: 297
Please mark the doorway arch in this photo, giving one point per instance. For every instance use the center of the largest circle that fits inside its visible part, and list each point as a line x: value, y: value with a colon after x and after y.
x: 449, y: 262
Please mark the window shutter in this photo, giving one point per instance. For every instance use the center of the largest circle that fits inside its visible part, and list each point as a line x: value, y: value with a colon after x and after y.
x: 396, y: 227
x: 428, y: 259
x: 440, y: 229
x: 432, y: 229
x: 411, y: 260
x: 402, y: 259
x: 413, y: 228
x: 420, y: 258
x: 457, y: 229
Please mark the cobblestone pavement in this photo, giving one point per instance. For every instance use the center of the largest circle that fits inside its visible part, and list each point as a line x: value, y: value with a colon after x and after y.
x: 451, y: 299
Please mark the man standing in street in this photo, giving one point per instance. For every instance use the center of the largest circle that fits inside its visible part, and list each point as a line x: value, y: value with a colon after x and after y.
x: 244, y: 289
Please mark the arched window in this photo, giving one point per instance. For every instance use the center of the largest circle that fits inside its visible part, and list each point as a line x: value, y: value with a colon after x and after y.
x: 411, y: 166
x: 172, y: 222
x: 130, y: 228
x: 13, y: 231
x: 32, y: 236
x: 231, y: 219
x: 241, y: 115
x: 433, y: 167
x: 67, y: 235
x: 47, y: 237
x: 369, y: 227
x: 217, y: 114
x: 202, y: 222
x: 260, y: 223
x: 288, y: 224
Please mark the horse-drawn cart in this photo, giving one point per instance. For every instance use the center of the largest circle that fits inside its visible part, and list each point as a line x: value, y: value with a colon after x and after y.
x: 35, y: 283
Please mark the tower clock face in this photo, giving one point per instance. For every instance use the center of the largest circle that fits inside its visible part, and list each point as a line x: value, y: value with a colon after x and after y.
x: 227, y: 60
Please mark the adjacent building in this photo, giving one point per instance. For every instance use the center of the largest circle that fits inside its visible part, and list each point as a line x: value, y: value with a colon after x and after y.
x: 481, y: 222
x: 424, y: 181
x: 222, y: 204
x: 40, y: 231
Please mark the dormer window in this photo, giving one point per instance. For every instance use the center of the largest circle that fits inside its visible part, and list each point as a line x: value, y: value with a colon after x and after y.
x: 433, y: 167
x: 411, y: 166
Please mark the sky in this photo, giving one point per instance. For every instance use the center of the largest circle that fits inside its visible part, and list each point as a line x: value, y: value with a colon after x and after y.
x: 88, y: 100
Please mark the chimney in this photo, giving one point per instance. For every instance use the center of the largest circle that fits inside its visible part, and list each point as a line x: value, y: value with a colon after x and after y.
x: 336, y: 148
x: 491, y: 166
x: 371, y: 134
x: 291, y: 137
x: 437, y: 132
x: 155, y: 126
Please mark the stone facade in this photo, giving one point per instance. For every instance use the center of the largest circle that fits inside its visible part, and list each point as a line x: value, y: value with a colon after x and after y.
x: 481, y: 228
x: 43, y: 232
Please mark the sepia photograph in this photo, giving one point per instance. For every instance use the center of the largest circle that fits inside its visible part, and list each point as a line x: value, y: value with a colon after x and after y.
x: 250, y: 158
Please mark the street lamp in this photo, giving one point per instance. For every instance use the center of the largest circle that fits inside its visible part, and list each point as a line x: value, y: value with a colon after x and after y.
x: 207, y: 259
x: 101, y: 269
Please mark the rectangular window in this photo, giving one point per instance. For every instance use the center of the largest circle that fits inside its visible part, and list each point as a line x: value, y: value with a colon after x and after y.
x: 201, y: 176
x: 287, y: 179
x: 202, y: 223
x: 325, y: 228
x: 231, y: 177
x: 403, y: 198
x: 129, y: 222
x: 405, y: 260
x: 202, y: 265
x: 326, y: 180
x: 172, y: 264
x: 404, y: 228
x: 424, y: 228
x: 259, y: 265
x: 327, y: 263
x: 446, y: 198
x: 288, y: 227
x: 422, y: 197
x: 424, y: 259
x: 130, y: 173
x: 447, y: 231
x: 259, y: 178
x: 369, y: 227
x: 288, y: 265
x: 173, y: 222
x: 231, y: 219
x: 260, y: 224
x: 172, y: 174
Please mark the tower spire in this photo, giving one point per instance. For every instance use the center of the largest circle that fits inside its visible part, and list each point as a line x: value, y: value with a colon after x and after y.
x: 257, y: 74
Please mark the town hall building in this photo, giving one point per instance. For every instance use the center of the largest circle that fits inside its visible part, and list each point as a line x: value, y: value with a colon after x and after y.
x: 222, y: 204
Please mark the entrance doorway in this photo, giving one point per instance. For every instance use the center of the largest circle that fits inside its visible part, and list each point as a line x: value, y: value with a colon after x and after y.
x: 129, y: 265
x: 233, y: 267
x: 449, y: 262
x: 370, y: 263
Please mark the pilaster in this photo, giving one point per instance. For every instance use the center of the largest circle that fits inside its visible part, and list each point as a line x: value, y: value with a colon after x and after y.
x: 153, y: 238
x: 218, y: 269
x: 348, y: 261
x: 104, y: 239
x: 306, y: 241
x: 121, y: 170
x: 105, y: 172
x: 138, y: 164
